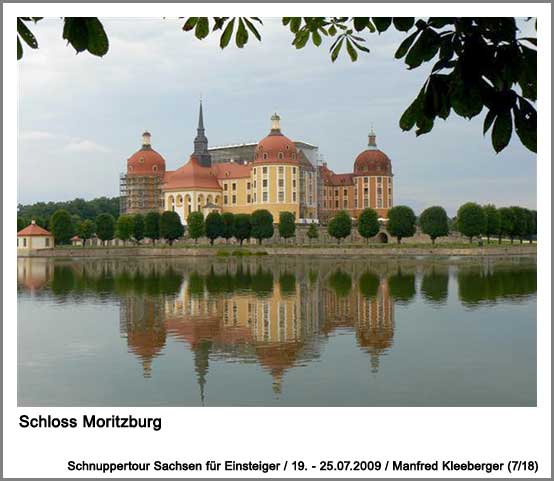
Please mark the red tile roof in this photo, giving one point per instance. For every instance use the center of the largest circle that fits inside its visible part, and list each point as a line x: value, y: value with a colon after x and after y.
x: 231, y: 170
x: 33, y: 230
x: 192, y: 175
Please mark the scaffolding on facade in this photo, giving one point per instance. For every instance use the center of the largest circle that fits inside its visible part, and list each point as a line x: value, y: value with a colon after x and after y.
x: 140, y: 194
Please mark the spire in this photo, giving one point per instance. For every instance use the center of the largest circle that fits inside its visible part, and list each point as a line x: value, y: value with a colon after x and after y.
x: 372, y: 144
x: 201, y: 142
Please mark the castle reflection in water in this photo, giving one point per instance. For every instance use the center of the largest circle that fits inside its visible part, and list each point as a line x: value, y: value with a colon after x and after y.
x: 277, y: 313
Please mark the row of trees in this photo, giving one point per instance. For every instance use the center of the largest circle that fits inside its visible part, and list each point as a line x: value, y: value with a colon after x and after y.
x: 79, y: 209
x: 472, y: 220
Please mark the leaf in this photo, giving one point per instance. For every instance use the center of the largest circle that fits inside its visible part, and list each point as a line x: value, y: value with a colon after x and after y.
x: 351, y: 51
x: 361, y: 23
x: 26, y: 34
x: 76, y: 33
x: 301, y: 38
x: 336, y: 49
x: 252, y: 28
x: 242, y: 35
x: 502, y: 130
x: 332, y: 30
x: 424, y: 125
x: 295, y: 24
x: 526, y: 127
x: 98, y: 43
x: 316, y: 39
x: 403, y: 23
x: 409, y: 117
x: 19, y: 49
x: 381, y: 23
x: 405, y: 45
x: 202, y: 28
x: 190, y: 24
x: 491, y: 115
x: 227, y: 33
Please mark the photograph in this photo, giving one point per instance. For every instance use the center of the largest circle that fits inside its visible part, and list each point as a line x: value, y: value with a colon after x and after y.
x: 276, y: 212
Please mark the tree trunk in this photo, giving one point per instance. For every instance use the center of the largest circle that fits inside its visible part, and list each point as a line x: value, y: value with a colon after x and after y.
x: 488, y: 239
x: 433, y: 240
x: 471, y: 239
x: 398, y: 240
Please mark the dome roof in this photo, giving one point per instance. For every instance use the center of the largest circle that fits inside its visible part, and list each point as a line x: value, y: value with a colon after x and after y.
x: 192, y: 175
x: 372, y: 161
x: 146, y: 161
x: 276, y: 147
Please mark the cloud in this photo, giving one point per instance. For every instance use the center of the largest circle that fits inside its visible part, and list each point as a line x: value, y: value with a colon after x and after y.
x: 32, y: 135
x: 84, y: 145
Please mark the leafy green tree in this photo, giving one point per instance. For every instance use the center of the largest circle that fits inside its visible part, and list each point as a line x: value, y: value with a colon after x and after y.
x: 138, y: 232
x: 171, y: 227
x: 84, y: 209
x: 86, y: 230
x: 520, y: 223
x: 61, y: 226
x: 529, y: 224
x: 533, y: 225
x: 340, y: 226
x: 506, y: 217
x: 401, y: 222
x: 471, y: 220
x: 287, y: 225
x: 480, y: 63
x: 105, y: 227
x: 434, y: 222
x: 195, y: 224
x: 312, y: 233
x: 492, y: 221
x: 368, y: 223
x: 228, y: 225
x: 262, y: 225
x: 242, y: 227
x: 124, y: 227
x: 214, y: 226
x: 152, y: 226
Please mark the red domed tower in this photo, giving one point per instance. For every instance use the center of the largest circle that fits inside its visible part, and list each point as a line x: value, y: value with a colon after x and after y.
x: 373, y: 179
x: 140, y: 186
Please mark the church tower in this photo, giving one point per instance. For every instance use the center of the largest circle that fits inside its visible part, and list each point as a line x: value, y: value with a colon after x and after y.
x: 201, y: 142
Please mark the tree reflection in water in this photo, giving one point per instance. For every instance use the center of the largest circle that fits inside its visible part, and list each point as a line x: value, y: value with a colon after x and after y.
x: 275, y: 313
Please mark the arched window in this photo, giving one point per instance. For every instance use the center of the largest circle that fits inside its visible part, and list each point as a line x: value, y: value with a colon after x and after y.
x: 265, y: 156
x: 155, y: 168
x: 280, y: 156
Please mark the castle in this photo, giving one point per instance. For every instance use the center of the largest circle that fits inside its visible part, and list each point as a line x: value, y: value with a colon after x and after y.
x: 275, y: 174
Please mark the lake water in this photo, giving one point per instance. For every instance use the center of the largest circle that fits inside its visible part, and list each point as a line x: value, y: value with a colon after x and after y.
x: 265, y: 331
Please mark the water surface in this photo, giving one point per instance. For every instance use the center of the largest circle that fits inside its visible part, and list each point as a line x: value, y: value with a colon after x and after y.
x: 266, y: 331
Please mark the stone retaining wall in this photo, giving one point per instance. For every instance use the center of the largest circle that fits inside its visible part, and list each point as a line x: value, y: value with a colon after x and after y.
x: 283, y: 251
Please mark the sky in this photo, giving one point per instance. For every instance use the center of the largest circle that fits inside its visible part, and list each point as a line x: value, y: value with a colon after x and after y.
x: 80, y: 117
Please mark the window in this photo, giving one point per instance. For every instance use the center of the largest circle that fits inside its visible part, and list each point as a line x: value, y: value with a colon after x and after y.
x: 294, y: 171
x: 24, y: 241
x: 379, y: 180
x: 366, y: 180
x: 225, y: 200
x: 254, y: 197
x: 294, y: 196
x: 390, y: 191
x: 248, y: 199
x: 379, y: 203
x: 294, y: 183
x: 264, y: 170
x: 366, y: 191
x: 336, y: 192
x: 390, y: 202
x: 265, y: 158
x: 155, y: 168
x: 345, y: 203
x: 280, y: 155
x: 264, y: 183
x: 141, y: 160
x: 293, y: 156
x: 337, y: 204
x: 47, y: 241
x: 254, y: 170
x: 379, y: 191
x: 254, y: 184
x: 345, y: 192
x: 366, y: 203
x: 281, y: 170
x: 281, y: 196
x: 248, y: 186
x: 355, y: 203
x: 234, y: 186
x: 234, y: 199
x: 225, y: 186
x: 264, y: 196
x: 281, y: 182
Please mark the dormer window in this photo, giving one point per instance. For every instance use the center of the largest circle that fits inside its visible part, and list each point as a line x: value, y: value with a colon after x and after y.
x: 155, y: 168
x: 293, y: 156
x: 280, y: 156
x: 265, y: 156
x: 141, y: 160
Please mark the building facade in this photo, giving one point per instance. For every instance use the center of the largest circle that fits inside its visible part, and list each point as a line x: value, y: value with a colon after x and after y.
x: 276, y: 174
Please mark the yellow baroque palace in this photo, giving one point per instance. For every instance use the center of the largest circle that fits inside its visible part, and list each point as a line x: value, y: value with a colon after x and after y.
x: 278, y: 176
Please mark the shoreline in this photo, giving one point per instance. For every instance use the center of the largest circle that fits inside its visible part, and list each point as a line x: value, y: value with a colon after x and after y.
x: 236, y: 251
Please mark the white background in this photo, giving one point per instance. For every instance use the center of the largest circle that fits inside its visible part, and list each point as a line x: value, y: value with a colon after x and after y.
x: 279, y: 434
